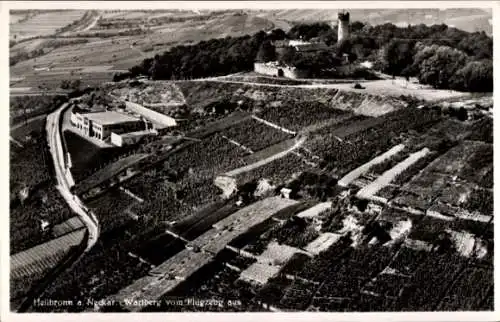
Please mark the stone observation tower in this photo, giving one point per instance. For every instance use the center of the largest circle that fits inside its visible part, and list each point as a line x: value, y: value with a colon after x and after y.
x: 343, y: 26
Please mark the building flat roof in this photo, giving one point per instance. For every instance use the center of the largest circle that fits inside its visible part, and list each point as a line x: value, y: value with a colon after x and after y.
x: 136, y: 134
x: 110, y: 117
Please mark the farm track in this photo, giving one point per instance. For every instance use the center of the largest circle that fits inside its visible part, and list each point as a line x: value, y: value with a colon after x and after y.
x: 92, y: 24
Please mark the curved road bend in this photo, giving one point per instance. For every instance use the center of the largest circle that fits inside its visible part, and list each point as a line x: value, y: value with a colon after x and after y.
x: 64, y: 177
x: 64, y: 183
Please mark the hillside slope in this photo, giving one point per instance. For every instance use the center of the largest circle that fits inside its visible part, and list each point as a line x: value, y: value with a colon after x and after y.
x: 468, y: 19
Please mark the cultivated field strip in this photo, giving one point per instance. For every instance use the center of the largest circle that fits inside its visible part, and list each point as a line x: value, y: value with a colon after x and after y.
x: 43, y: 254
x: 44, y: 24
x: 108, y: 172
x: 387, y: 177
x: 70, y: 225
x: 356, y: 173
x: 260, y: 162
x: 176, y: 269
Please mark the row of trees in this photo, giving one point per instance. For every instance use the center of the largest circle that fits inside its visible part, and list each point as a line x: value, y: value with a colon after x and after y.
x: 206, y: 58
x: 446, y: 58
x: 366, y: 39
x: 442, y: 67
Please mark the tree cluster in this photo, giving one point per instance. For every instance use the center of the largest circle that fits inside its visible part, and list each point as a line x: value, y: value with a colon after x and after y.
x: 444, y: 57
x: 208, y: 58
x: 70, y: 84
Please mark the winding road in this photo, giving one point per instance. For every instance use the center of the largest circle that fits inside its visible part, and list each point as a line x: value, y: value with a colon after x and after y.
x: 64, y: 177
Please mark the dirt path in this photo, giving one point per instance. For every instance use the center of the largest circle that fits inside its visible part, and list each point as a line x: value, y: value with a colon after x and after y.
x: 16, y: 142
x: 273, y: 125
x: 381, y: 88
x: 28, y: 121
x: 92, y: 24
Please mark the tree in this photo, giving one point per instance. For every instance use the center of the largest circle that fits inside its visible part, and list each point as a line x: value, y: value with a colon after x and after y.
x: 267, y: 52
x: 398, y: 56
x: 288, y: 55
x: 277, y: 34
x: 344, y: 47
x: 438, y: 65
x: 308, y: 31
x: 476, y: 76
x: 75, y: 84
x: 65, y: 84
x: 357, y: 26
x: 156, y: 68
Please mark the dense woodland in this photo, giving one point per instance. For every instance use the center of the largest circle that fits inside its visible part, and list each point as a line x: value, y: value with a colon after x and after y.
x: 444, y: 57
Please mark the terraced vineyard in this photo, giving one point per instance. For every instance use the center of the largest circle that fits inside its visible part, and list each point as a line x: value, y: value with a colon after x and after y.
x: 353, y: 252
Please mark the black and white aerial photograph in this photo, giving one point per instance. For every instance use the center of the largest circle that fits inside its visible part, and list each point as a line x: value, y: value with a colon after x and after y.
x: 216, y: 159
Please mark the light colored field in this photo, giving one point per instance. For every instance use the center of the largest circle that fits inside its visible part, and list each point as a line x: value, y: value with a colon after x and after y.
x: 159, y: 120
x: 370, y: 190
x: 232, y: 226
x: 14, y: 18
x: 356, y: 173
x: 400, y: 87
x: 131, y: 14
x: 269, y: 263
x: 315, y: 210
x: 117, y: 51
x: 19, y: 89
x: 44, y: 23
x: 259, y: 273
x: 323, y: 242
x: 476, y: 216
x: 72, y: 224
x: 154, y: 94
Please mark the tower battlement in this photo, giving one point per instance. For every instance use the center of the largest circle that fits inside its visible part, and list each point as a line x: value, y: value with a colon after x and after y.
x: 343, y: 16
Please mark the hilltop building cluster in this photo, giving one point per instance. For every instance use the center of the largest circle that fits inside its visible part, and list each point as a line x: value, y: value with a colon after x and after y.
x: 274, y: 68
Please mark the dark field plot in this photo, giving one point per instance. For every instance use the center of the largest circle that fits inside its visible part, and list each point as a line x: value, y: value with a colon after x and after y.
x: 110, y: 208
x: 30, y: 165
x: 296, y: 115
x: 430, y: 282
x: 469, y: 291
x: 159, y: 248
x: 255, y: 135
x: 87, y: 158
x: 37, y: 125
x: 25, y: 229
x: 103, y: 271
